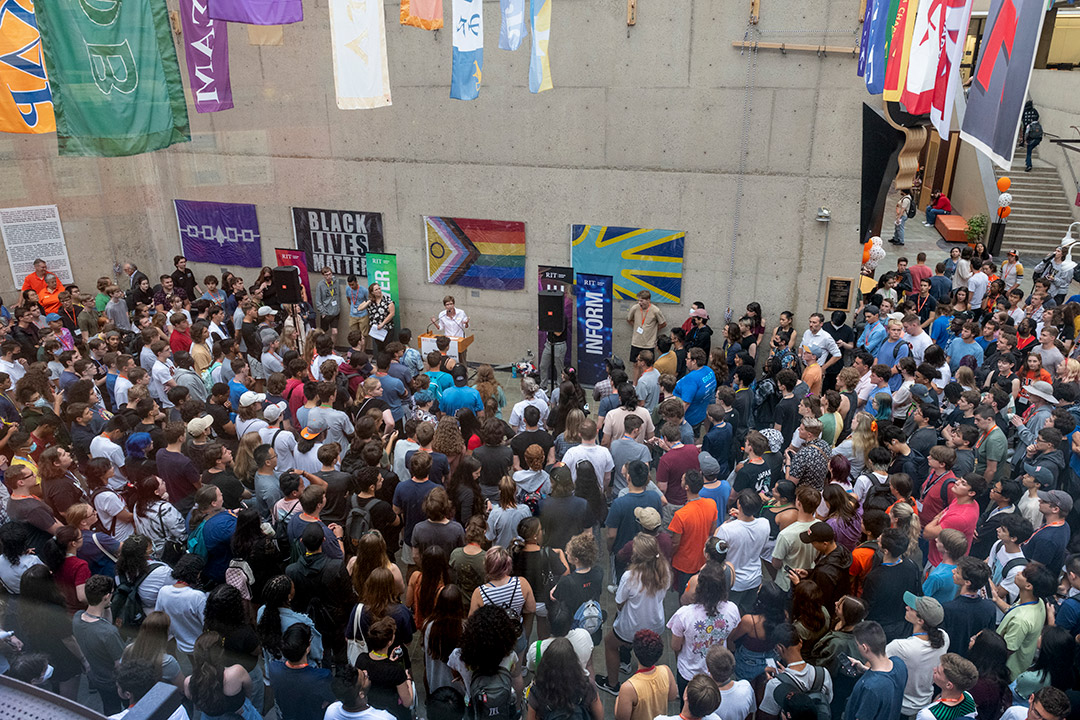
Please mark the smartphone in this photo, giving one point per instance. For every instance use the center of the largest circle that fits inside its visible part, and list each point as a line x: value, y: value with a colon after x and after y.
x: 788, y: 569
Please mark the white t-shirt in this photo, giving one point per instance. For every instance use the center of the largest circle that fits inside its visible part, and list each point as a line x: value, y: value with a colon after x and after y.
x: 120, y: 390
x: 336, y: 712
x: 185, y: 607
x: 159, y: 375
x: 921, y: 659
x: 453, y: 326
x: 641, y: 611
x: 977, y: 286
x: 792, y: 551
x: 103, y: 447
x: 999, y: 558
x: 517, y: 415
x: 243, y: 427
x: 108, y: 506
x: 308, y: 461
x: 11, y: 575
x: 736, y: 703
x: 700, y: 632
x: 1016, y: 712
x: 284, y: 446
x: 804, y: 678
x: 745, y: 542
x: 579, y: 638
x: 919, y: 343
x: 865, y: 481
x: 319, y: 360
x: 599, y: 456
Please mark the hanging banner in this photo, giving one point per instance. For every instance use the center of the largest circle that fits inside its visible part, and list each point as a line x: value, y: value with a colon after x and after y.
x: 338, y: 239
x: 258, y: 12
x: 899, y: 49
x: 488, y: 254
x: 358, y: 37
x: 219, y: 233
x: 426, y: 14
x: 512, y: 29
x: 864, y: 42
x: 468, y: 53
x: 295, y: 258
x: 206, y: 49
x: 30, y: 233
x: 641, y: 259
x: 1000, y: 84
x: 382, y: 269
x: 954, y: 35
x: 926, y: 43
x: 557, y: 280
x: 25, y: 99
x: 540, y: 63
x: 878, y: 17
x: 114, y: 77
x: 594, y: 326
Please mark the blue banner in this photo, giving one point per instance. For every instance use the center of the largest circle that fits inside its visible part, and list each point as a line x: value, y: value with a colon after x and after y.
x: 219, y: 233
x: 467, y: 61
x: 874, y: 71
x: 594, y: 326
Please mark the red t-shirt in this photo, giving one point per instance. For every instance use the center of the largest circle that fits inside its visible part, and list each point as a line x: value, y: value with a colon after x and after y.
x: 959, y: 517
x: 943, y: 204
x: 931, y: 496
x: 918, y: 274
x: 180, y: 342
x: 695, y: 522
x: 72, y: 573
x: 673, y: 465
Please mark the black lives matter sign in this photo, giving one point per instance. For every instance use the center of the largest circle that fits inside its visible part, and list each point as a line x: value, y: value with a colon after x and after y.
x: 338, y: 239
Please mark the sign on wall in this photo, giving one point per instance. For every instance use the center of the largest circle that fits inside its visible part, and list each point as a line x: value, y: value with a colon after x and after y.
x: 487, y: 254
x: 206, y: 48
x: 219, y: 233
x: 384, y: 270
x: 338, y: 239
x: 34, y: 232
x: 594, y: 326
x: 636, y: 258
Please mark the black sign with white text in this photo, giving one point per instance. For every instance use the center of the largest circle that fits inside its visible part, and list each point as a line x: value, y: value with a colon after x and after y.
x: 338, y: 239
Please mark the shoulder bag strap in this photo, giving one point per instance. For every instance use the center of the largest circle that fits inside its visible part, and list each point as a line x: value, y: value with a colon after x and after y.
x: 106, y: 553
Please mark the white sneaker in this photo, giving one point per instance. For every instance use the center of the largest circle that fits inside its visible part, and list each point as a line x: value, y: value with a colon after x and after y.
x: 612, y: 588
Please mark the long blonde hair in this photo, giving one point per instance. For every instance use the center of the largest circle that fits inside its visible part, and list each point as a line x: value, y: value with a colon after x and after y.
x: 863, y: 436
x: 905, y: 518
x: 650, y: 566
x: 572, y: 426
x: 244, y: 458
x: 486, y: 384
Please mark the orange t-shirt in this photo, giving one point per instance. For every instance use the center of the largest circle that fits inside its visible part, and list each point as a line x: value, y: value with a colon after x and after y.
x: 694, y: 521
x: 812, y: 377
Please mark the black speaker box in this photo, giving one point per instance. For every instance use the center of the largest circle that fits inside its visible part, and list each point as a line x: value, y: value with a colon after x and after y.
x: 287, y: 284
x: 552, y: 317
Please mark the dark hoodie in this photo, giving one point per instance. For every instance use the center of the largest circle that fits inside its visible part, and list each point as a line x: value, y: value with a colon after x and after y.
x: 325, y: 581
x: 1053, y: 460
x: 832, y: 573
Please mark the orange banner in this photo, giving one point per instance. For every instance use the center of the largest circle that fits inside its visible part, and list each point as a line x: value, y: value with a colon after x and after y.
x: 426, y: 14
x: 25, y: 99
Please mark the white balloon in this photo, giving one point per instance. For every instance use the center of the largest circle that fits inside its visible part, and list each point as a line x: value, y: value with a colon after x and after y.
x: 1004, y: 200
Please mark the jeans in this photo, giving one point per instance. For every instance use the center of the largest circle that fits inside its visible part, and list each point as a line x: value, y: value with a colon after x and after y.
x: 246, y: 712
x: 546, y: 371
x: 749, y: 663
x: 932, y: 213
x: 898, y: 233
x: 1030, y: 147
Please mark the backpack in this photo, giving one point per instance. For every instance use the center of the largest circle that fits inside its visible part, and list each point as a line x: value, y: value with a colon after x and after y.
x: 127, y: 608
x: 1034, y: 132
x: 492, y: 697
x: 281, y: 534
x: 513, y: 614
x: 912, y: 208
x: 531, y: 499
x: 578, y: 712
x: 207, y: 375
x: 589, y: 617
x: 358, y: 521
x: 790, y: 686
x: 196, y: 545
x: 878, y: 492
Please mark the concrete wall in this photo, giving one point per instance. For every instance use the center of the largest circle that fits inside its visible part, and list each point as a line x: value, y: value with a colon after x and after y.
x: 642, y: 129
x: 1056, y: 94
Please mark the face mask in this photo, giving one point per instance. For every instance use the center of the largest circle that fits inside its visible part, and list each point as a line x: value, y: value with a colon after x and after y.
x: 57, y: 352
x: 33, y: 446
x: 45, y: 677
x: 41, y: 402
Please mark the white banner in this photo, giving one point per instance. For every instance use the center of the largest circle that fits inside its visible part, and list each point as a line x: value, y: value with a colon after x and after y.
x: 34, y: 232
x: 923, y: 61
x: 358, y: 38
x: 957, y: 16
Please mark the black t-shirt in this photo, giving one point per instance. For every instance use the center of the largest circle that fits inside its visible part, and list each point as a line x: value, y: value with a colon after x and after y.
x: 576, y: 588
x: 338, y: 486
x: 385, y: 676
x: 232, y: 492
x: 787, y: 417
x: 382, y: 519
x: 755, y: 477
x: 531, y: 564
x: 220, y: 415
x: 495, y: 463
x: 520, y: 443
x: 563, y: 518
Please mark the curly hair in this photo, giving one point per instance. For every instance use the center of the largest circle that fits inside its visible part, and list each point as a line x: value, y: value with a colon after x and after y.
x: 448, y: 438
x: 225, y: 610
x: 560, y: 681
x: 133, y: 560
x: 488, y: 637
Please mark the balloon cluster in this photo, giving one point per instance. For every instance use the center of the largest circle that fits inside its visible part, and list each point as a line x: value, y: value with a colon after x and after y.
x: 873, y: 253
x: 1004, y: 199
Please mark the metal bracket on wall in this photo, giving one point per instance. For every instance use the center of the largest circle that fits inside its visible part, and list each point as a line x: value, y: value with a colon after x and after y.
x: 755, y: 11
x: 819, y: 50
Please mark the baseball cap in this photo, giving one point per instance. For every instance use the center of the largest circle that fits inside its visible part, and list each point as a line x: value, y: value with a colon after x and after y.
x: 52, y: 317
x: 198, y: 426
x: 267, y: 336
x: 928, y: 608
x: 1040, y: 473
x: 316, y: 426
x: 1013, y: 253
x: 872, y: 309
x: 710, y: 468
x: 818, y: 532
x: 273, y: 411
x: 250, y: 398
x: 699, y: 312
x: 460, y: 373
x: 266, y: 310
x: 647, y: 517
x: 1060, y: 498
x: 776, y: 440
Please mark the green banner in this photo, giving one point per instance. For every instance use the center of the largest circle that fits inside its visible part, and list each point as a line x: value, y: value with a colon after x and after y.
x: 114, y: 76
x: 382, y: 269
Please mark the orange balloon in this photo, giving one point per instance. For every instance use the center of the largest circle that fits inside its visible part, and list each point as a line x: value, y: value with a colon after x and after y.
x: 1003, y: 184
x: 1004, y: 212
x: 865, y: 252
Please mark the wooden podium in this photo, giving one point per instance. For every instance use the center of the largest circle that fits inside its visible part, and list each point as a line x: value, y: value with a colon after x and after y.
x: 426, y: 343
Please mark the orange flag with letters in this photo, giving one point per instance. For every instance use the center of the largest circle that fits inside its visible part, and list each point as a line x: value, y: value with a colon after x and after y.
x: 25, y: 98
x: 426, y: 14
x: 899, y: 49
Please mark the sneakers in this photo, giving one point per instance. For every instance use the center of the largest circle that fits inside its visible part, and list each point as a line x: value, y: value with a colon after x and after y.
x: 894, y: 241
x: 927, y: 224
x: 626, y: 668
x: 612, y: 589
x: 602, y: 684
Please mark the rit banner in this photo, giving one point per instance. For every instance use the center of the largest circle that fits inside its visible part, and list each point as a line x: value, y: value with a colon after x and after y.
x: 594, y: 326
x: 382, y: 269
x: 1002, y: 75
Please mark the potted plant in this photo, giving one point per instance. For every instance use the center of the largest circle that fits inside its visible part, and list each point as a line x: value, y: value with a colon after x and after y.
x: 976, y: 228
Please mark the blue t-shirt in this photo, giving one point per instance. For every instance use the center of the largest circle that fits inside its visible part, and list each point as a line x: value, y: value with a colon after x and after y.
x: 939, y: 330
x: 958, y: 350
x: 718, y: 495
x: 409, y: 498
x: 217, y: 536
x: 1047, y: 545
x: 1068, y: 615
x: 878, y: 695
x: 717, y: 442
x: 440, y: 466
x: 621, y: 515
x: 455, y: 398
x: 356, y: 297
x: 236, y: 389
x: 300, y: 692
x: 394, y: 393
x: 330, y: 546
x: 939, y: 583
x: 698, y: 390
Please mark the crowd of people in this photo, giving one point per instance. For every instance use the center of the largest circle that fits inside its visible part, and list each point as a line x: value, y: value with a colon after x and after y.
x: 871, y: 521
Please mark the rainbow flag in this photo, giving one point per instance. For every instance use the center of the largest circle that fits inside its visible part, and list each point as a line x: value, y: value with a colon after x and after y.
x: 487, y: 254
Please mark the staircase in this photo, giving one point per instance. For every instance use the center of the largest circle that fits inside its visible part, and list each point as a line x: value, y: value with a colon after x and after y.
x: 1040, y: 208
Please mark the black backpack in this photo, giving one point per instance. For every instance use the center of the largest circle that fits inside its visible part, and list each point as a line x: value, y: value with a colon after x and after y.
x: 358, y: 521
x: 492, y: 697
x: 127, y: 609
x: 1034, y: 132
x: 281, y: 535
x: 912, y: 207
x: 879, y: 495
x: 789, y: 686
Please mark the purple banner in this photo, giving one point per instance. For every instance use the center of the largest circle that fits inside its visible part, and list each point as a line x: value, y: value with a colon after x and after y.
x: 257, y: 12
x: 219, y: 233
x: 206, y: 47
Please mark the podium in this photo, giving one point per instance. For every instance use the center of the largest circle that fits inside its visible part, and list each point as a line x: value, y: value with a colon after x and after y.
x: 426, y: 343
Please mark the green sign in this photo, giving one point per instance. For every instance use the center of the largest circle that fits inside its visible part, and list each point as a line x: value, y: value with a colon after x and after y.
x: 382, y: 269
x: 114, y: 76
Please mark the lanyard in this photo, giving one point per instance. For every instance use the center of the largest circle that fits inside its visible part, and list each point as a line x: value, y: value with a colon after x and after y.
x: 332, y: 289
x: 919, y: 305
x: 1014, y: 607
x: 984, y: 436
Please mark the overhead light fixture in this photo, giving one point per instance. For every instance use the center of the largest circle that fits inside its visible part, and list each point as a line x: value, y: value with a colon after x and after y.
x: 823, y: 215
x: 1068, y: 239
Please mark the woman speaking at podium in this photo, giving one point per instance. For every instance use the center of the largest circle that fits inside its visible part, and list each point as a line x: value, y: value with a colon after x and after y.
x: 452, y: 322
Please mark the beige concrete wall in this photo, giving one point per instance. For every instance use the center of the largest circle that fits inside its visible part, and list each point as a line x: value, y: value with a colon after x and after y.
x: 1056, y: 94
x: 641, y: 130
